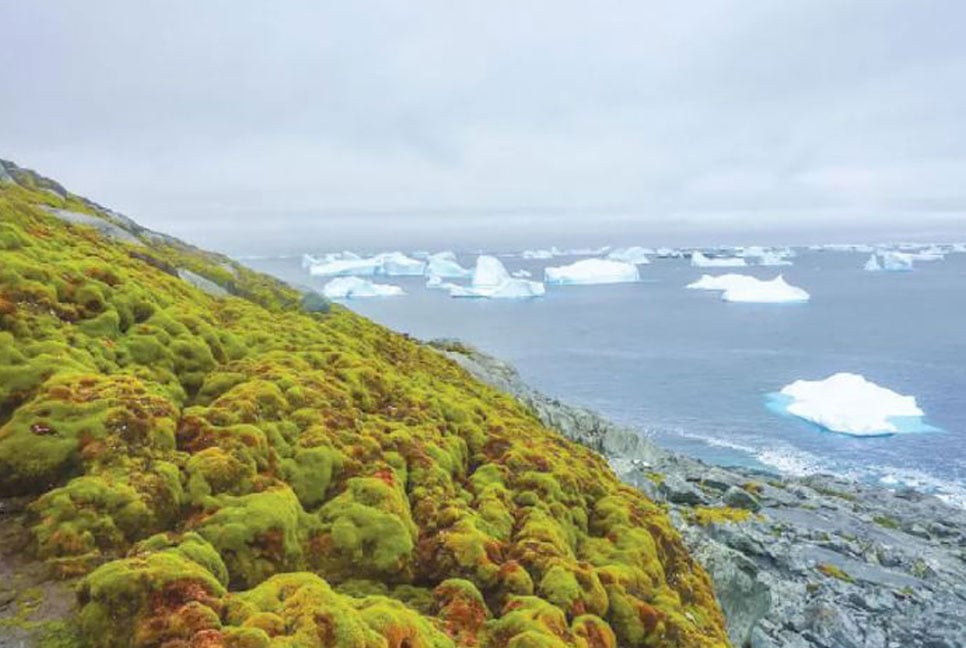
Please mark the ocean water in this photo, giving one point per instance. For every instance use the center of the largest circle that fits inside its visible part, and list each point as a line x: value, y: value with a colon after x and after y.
x: 694, y: 372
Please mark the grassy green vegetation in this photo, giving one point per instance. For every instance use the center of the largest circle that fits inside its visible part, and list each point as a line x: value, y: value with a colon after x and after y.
x: 241, y: 472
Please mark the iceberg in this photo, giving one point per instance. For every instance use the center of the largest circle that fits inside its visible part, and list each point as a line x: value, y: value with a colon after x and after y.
x: 893, y: 262
x: 522, y: 274
x: 634, y: 254
x: 344, y: 268
x: 356, y: 287
x: 773, y: 259
x: 750, y: 290
x: 445, y: 265
x: 492, y: 281
x: 850, y: 404
x: 592, y: 271
x: 540, y: 255
x: 872, y: 265
x: 398, y: 264
x: 668, y: 253
x: 698, y: 260
x: 345, y: 264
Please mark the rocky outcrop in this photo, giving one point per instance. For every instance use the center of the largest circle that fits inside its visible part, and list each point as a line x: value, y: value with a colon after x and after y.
x: 801, y: 563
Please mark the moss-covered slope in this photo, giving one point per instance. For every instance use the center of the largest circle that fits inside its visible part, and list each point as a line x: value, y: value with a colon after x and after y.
x: 237, y: 471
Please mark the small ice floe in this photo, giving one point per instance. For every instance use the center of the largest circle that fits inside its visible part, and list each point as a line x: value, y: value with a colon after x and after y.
x: 521, y: 274
x: 357, y: 287
x: 592, y: 271
x: 634, y: 254
x: 668, y: 253
x: 492, y: 281
x: 699, y: 260
x: 850, y: 404
x: 747, y: 289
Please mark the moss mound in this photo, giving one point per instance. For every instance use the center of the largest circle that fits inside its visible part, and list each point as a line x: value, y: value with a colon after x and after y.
x: 246, y: 471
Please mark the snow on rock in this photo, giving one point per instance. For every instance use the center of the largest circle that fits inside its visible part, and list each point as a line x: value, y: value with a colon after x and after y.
x: 746, y: 289
x: 445, y: 265
x: 592, y: 271
x: 492, y: 281
x: 850, y: 404
x: 634, y: 254
x: 698, y: 260
x: 356, y: 287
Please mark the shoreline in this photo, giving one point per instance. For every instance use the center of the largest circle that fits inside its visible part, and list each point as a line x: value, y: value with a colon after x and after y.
x: 796, y: 561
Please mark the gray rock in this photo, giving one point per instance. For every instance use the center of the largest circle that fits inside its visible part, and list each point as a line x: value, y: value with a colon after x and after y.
x: 103, y: 226
x: 740, y: 498
x: 203, y: 284
x: 895, y: 588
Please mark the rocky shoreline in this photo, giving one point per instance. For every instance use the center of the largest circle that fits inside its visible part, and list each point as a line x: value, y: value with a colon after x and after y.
x: 815, y: 562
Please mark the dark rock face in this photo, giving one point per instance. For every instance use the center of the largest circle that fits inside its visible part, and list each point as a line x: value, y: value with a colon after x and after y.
x: 816, y: 561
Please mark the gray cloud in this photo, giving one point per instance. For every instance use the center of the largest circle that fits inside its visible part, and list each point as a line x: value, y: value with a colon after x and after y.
x: 725, y: 113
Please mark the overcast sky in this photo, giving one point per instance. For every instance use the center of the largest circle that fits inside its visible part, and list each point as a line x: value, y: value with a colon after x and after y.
x: 728, y: 114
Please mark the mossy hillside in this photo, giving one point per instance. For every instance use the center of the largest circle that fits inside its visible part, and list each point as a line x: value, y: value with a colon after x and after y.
x: 237, y: 471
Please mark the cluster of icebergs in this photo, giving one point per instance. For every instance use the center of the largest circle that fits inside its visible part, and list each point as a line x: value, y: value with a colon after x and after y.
x: 751, y: 290
x: 850, y: 404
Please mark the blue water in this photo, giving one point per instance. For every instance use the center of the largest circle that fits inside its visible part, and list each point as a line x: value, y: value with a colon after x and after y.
x: 694, y: 372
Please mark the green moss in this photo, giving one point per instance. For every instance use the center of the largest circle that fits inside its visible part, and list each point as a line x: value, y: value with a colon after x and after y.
x: 238, y: 440
x: 710, y: 515
x: 833, y: 571
x: 886, y: 521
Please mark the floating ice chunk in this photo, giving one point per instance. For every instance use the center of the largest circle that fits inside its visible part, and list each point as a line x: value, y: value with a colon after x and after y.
x: 522, y: 274
x: 437, y: 283
x: 746, y: 289
x: 445, y: 265
x: 668, y: 253
x: 345, y: 264
x: 634, y: 254
x: 540, y: 255
x: 345, y: 268
x: 895, y: 261
x: 492, y: 281
x: 592, y: 271
x: 398, y: 264
x: 698, y: 260
x: 850, y: 404
x: 773, y: 259
x: 356, y: 287
x: 872, y: 265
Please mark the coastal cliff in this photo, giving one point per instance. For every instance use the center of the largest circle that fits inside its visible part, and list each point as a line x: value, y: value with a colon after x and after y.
x: 195, y: 454
x: 796, y: 562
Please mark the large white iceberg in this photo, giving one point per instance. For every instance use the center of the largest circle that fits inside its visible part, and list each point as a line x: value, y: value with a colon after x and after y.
x: 750, y: 290
x: 356, y: 287
x: 592, y: 271
x: 850, y: 404
x: 634, y: 254
x: 345, y: 267
x: 699, y: 260
x: 387, y: 263
x: 445, y: 265
x: 492, y: 281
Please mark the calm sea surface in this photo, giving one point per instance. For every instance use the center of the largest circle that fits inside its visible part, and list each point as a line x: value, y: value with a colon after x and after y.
x: 693, y: 371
